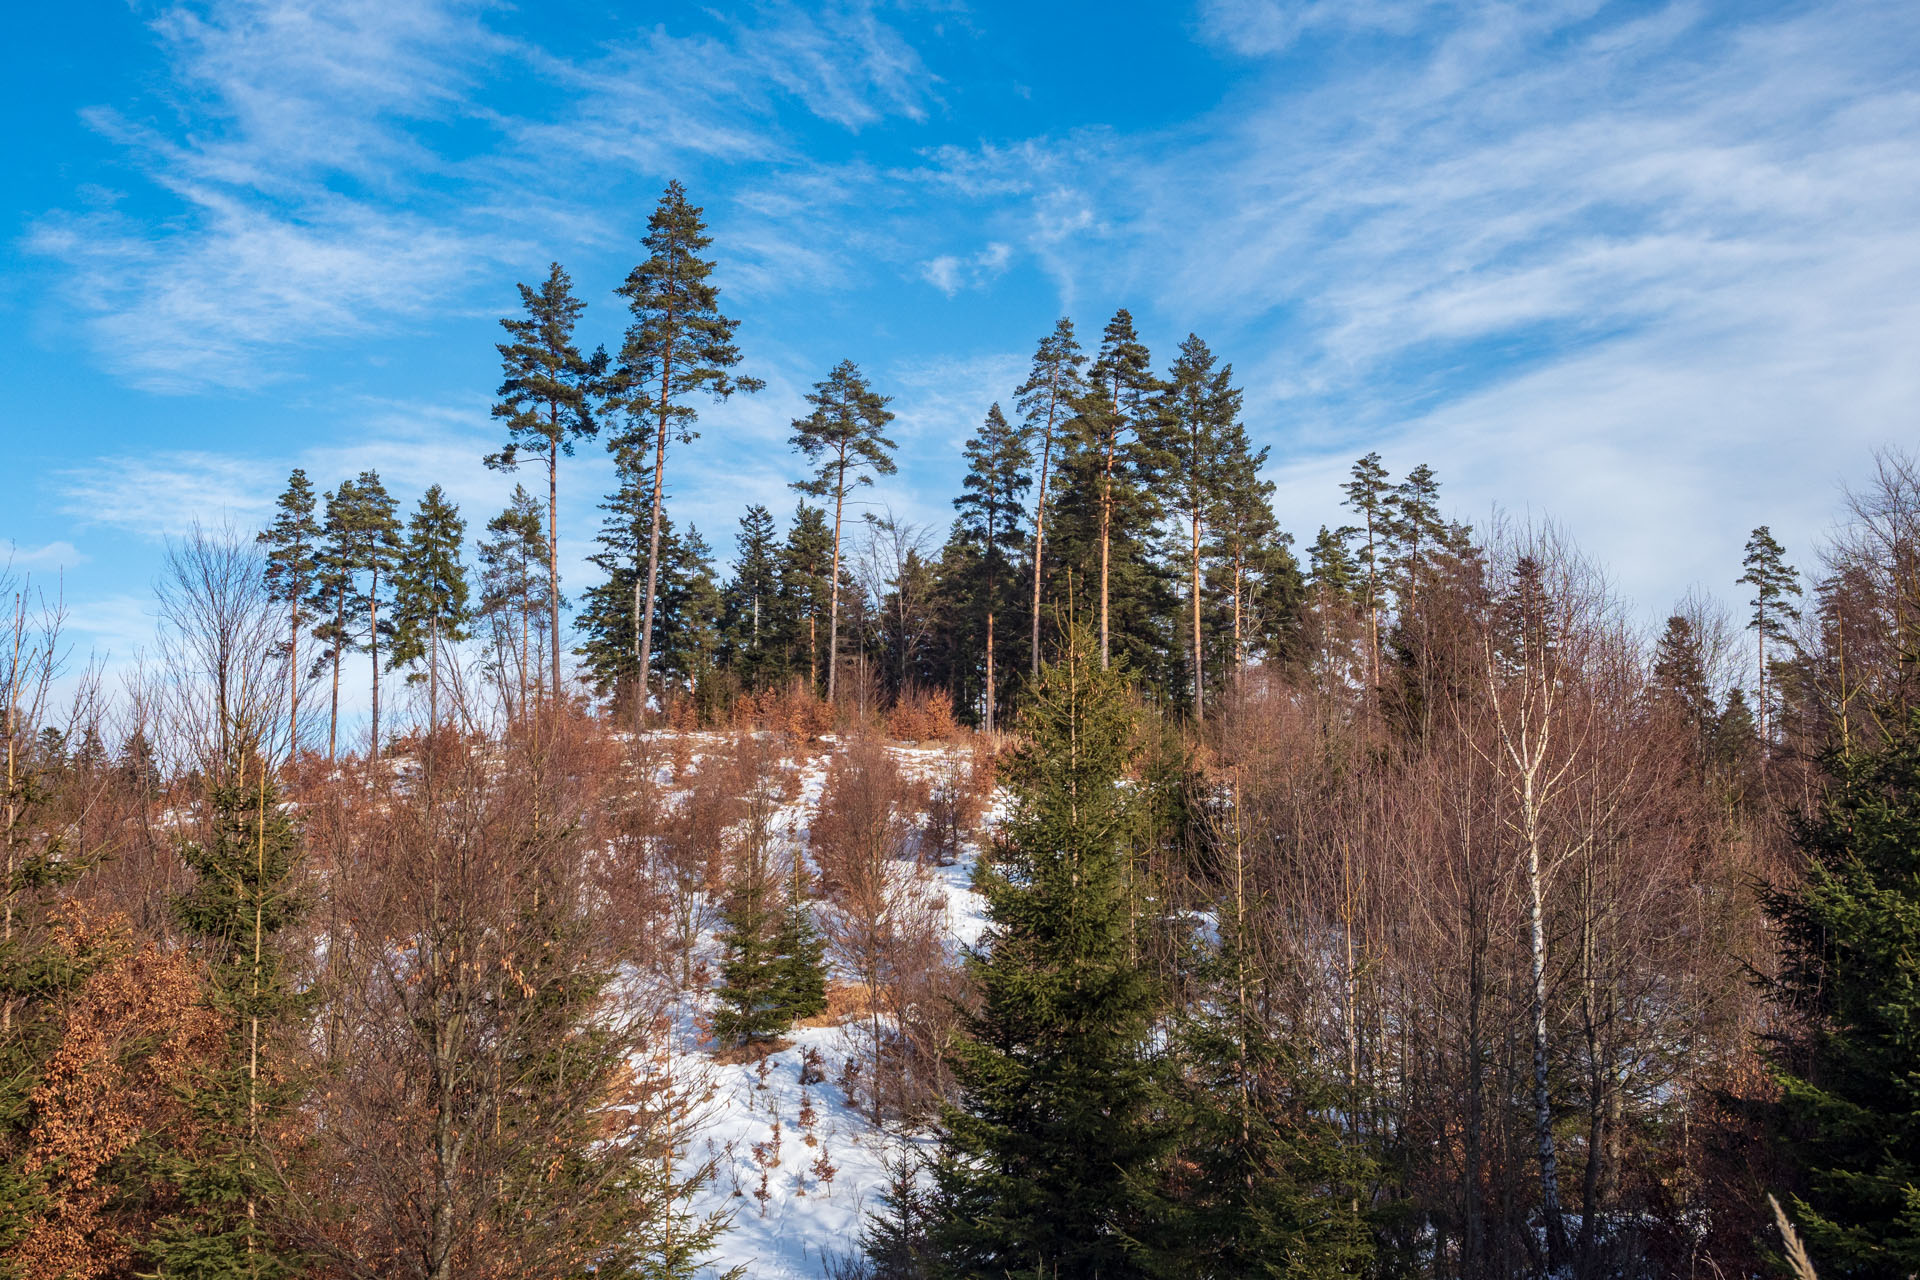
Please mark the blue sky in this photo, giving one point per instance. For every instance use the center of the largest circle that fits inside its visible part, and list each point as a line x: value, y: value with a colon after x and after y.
x: 1649, y: 270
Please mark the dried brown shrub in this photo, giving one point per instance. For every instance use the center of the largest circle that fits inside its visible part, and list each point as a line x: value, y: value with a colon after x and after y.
x: 923, y: 715
x: 129, y: 1036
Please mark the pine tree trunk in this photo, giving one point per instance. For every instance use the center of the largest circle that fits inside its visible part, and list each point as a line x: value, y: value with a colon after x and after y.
x: 990, y: 690
x: 653, y: 538
x: 833, y: 586
x: 1040, y: 536
x: 553, y: 554
x: 1198, y: 684
x: 653, y: 571
x: 373, y: 648
x: 1106, y: 535
x: 339, y: 639
x: 433, y: 676
x: 293, y: 676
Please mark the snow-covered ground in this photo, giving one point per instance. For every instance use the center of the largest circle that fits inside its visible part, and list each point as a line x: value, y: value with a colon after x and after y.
x: 798, y: 1166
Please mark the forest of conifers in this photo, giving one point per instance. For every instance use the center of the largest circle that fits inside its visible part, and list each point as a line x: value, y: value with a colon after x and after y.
x: 1401, y: 907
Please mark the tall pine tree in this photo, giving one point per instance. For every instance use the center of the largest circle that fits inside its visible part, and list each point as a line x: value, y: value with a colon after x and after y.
x: 333, y: 598
x: 1047, y: 400
x: 998, y: 457
x: 373, y: 534
x: 678, y: 343
x: 547, y: 395
x: 1200, y: 408
x: 292, y: 542
x: 844, y: 440
x: 1774, y: 582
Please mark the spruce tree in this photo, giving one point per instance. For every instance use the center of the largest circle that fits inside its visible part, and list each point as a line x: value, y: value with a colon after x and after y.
x: 1056, y: 1071
x: 373, y: 532
x: 749, y: 996
x: 547, y: 394
x: 800, y: 969
x: 679, y: 343
x: 998, y: 456
x: 430, y: 599
x: 513, y: 591
x: 750, y: 597
x: 611, y: 610
x: 223, y: 1173
x: 1046, y: 400
x: 843, y: 439
x: 805, y: 560
x: 1680, y: 680
x: 292, y: 542
x: 1773, y: 581
x: 1200, y: 409
x: 1849, y: 1108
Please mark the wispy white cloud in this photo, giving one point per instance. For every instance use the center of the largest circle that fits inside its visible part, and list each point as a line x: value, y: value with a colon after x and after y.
x: 153, y: 495
x: 1257, y: 27
x: 52, y: 555
x: 950, y: 273
x: 342, y: 169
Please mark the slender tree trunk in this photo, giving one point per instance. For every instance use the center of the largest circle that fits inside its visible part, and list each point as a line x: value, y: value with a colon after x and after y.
x: 339, y: 640
x: 653, y: 538
x: 553, y: 553
x: 653, y: 570
x: 1198, y: 685
x: 373, y: 648
x: 293, y: 676
x: 990, y: 689
x: 1239, y: 652
x: 1040, y: 535
x: 833, y: 586
x: 1106, y: 534
x: 1537, y: 1000
x: 433, y: 676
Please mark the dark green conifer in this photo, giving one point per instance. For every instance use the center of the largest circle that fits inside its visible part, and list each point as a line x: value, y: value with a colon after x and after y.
x: 805, y: 563
x: 1773, y: 581
x: 1369, y: 495
x: 998, y: 456
x: 1849, y: 1110
x: 373, y: 536
x: 750, y: 598
x: 1057, y: 1076
x: 334, y: 599
x: 1199, y: 410
x: 224, y: 1173
x: 292, y: 543
x: 430, y: 597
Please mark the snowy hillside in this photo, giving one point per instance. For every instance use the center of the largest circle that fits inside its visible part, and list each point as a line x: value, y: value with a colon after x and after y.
x: 794, y: 1161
